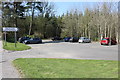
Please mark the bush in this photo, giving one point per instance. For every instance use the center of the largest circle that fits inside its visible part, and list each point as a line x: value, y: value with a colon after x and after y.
x: 31, y: 36
x: 36, y: 34
x: 12, y: 40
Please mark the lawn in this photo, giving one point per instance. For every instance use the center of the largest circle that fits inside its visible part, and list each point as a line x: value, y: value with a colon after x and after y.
x: 11, y: 46
x: 66, y: 68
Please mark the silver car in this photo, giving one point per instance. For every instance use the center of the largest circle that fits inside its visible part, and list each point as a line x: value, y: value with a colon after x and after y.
x: 84, y: 40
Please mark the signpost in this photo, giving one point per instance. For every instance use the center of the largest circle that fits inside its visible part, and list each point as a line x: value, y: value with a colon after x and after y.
x: 12, y: 29
x: 5, y: 38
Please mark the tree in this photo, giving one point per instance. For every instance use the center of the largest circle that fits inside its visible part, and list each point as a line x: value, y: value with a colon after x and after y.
x: 93, y: 23
x: 32, y: 7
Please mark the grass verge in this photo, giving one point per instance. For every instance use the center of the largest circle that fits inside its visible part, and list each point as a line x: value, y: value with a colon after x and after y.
x: 66, y: 68
x: 19, y: 47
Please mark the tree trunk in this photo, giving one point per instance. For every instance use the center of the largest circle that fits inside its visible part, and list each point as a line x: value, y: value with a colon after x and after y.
x: 117, y: 36
x: 30, y: 28
x: 31, y: 24
x: 15, y: 7
x: 89, y: 34
x: 105, y: 30
x: 110, y: 35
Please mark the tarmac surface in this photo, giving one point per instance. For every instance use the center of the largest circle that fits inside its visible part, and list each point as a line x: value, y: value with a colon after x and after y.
x: 57, y: 49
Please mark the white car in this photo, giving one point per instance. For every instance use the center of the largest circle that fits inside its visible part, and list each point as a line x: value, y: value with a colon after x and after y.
x: 84, y: 40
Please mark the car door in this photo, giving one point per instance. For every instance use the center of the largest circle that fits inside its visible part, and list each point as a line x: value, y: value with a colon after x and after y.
x: 31, y: 40
x: 37, y: 40
x: 84, y: 39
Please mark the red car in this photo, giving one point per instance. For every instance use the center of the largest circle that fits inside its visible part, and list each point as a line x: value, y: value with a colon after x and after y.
x: 106, y: 41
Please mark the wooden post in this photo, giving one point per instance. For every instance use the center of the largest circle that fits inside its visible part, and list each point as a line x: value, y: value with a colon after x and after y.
x: 5, y: 39
x: 15, y: 39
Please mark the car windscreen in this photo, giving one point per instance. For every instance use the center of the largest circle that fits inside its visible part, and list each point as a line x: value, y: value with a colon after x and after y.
x: 82, y: 37
x: 104, y: 39
x: 67, y: 37
x: 36, y: 39
x: 75, y: 38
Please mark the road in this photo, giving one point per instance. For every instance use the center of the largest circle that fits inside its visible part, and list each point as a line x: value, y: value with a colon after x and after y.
x: 49, y: 49
x: 76, y: 50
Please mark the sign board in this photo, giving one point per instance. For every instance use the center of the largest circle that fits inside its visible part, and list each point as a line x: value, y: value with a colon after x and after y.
x: 14, y: 29
x: 10, y: 29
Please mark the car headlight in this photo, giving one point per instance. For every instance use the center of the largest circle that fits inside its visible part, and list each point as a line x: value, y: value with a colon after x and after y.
x: 25, y: 41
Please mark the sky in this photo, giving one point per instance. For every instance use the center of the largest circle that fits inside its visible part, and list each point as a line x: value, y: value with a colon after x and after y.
x: 63, y: 7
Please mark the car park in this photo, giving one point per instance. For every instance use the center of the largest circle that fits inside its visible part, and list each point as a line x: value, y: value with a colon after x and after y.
x: 74, y: 39
x: 66, y: 39
x: 33, y: 41
x: 56, y: 38
x: 107, y: 41
x: 22, y: 39
x: 84, y: 40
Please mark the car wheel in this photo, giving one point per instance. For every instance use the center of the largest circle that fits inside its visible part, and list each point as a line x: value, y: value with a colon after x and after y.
x: 107, y: 44
x: 28, y: 42
x: 40, y: 42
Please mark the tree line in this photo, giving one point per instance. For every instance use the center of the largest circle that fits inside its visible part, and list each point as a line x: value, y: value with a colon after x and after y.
x: 40, y: 20
x: 32, y: 18
x: 102, y: 21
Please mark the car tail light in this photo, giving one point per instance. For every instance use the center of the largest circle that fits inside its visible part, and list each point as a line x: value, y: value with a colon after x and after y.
x: 106, y: 41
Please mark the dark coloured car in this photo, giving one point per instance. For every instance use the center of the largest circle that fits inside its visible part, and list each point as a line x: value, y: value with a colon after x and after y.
x: 66, y: 39
x: 56, y: 38
x: 23, y: 39
x: 33, y: 41
x: 74, y: 39
x: 107, y: 41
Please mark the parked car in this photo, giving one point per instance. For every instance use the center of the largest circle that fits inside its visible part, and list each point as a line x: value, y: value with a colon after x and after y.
x: 33, y: 41
x: 23, y: 39
x: 74, y: 39
x: 56, y: 38
x: 107, y: 41
x: 84, y: 40
x: 66, y: 39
